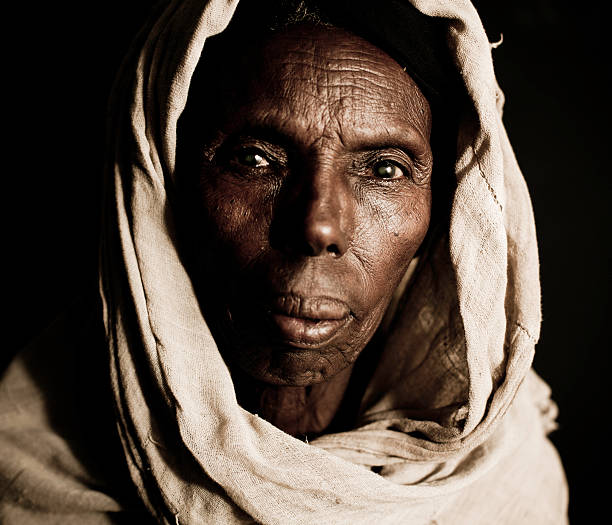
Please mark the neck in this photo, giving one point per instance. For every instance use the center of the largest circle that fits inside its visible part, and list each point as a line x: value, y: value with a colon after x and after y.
x: 297, y: 410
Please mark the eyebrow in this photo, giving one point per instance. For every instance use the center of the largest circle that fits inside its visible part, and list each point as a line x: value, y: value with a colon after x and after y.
x: 265, y: 132
x: 405, y: 138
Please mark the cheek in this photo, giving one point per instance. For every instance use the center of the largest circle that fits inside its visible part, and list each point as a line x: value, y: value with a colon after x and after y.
x: 408, y: 221
x: 237, y: 219
x: 395, y: 227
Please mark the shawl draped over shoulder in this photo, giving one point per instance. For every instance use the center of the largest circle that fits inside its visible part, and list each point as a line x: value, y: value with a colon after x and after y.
x: 459, y: 437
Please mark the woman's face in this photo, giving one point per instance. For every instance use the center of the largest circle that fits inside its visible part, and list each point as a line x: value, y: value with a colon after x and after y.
x: 312, y: 159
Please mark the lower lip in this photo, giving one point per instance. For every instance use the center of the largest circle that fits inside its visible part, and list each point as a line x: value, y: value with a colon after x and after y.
x: 308, y: 333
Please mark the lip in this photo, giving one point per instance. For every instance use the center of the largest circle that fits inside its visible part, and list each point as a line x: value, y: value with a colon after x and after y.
x: 308, y: 322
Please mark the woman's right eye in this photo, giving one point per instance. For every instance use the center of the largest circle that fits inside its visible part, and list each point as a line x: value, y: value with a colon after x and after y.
x: 252, y: 158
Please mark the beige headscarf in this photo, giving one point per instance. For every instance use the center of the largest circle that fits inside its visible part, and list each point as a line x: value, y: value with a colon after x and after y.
x: 455, y: 434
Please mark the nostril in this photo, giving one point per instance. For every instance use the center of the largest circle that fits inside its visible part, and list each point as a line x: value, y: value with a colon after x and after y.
x: 333, y: 249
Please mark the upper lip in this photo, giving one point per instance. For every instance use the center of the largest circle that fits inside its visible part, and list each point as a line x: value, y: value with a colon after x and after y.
x: 316, y: 308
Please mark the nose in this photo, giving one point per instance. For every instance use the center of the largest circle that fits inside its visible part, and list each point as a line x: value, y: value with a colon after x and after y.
x: 315, y: 215
x: 322, y: 227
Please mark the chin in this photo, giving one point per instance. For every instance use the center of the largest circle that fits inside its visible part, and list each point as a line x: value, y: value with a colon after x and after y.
x: 288, y: 366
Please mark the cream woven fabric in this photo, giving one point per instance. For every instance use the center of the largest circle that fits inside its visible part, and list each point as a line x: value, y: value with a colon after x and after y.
x: 457, y: 437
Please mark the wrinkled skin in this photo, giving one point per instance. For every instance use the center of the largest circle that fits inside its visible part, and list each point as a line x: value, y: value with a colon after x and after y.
x: 313, y: 166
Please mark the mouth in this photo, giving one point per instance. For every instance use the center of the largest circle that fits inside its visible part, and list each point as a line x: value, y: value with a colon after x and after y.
x: 308, y: 322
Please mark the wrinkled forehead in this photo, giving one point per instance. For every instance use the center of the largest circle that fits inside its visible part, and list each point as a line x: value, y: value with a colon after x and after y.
x: 317, y: 73
x: 333, y: 62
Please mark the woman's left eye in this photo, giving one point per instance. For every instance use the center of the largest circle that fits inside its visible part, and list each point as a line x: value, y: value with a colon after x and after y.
x: 388, y: 170
x: 252, y: 158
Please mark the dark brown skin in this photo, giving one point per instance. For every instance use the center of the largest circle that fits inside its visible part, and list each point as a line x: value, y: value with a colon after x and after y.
x: 314, y: 168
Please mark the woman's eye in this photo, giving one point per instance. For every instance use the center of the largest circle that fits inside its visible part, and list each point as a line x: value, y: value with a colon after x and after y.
x: 252, y: 158
x: 387, y: 170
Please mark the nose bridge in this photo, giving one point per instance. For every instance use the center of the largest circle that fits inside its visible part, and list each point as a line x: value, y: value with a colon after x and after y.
x: 314, y: 218
x: 322, y: 195
x: 325, y: 224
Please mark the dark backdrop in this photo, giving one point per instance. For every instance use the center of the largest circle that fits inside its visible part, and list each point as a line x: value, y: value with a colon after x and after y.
x: 551, y: 65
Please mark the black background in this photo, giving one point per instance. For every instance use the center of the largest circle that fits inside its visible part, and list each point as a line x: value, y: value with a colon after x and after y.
x: 59, y: 66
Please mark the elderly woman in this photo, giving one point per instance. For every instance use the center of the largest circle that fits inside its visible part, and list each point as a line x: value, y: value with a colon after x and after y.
x: 318, y: 280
